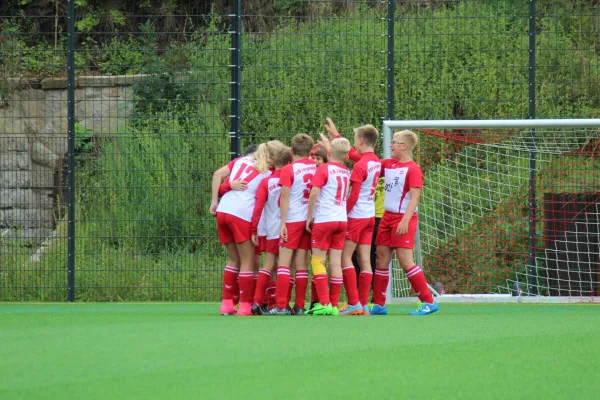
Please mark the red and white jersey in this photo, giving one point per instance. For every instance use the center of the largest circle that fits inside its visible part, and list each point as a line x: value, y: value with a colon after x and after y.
x: 366, y: 172
x: 400, y: 177
x: 332, y: 179
x: 268, y: 193
x: 240, y: 203
x: 262, y: 224
x: 298, y: 176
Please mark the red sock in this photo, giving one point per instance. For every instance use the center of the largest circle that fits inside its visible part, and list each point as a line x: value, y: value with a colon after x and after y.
x: 380, y: 283
x: 254, y: 281
x: 230, y: 276
x: 270, y: 294
x: 290, y: 289
x: 364, y: 286
x: 301, y: 285
x: 283, y: 283
x: 313, y: 291
x: 321, y: 288
x: 246, y: 283
x: 264, y: 276
x: 236, y: 291
x: 335, y: 288
x: 350, y: 284
x: 419, y: 284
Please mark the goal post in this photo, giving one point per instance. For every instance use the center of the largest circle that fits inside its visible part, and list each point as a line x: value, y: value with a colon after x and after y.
x: 510, y: 210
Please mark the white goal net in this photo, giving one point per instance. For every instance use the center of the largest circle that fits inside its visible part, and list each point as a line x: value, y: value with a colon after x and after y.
x: 510, y: 209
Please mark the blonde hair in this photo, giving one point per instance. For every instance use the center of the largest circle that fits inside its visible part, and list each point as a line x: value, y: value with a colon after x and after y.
x: 265, y: 154
x: 409, y: 137
x: 340, y: 148
x: 369, y: 133
x: 302, y: 145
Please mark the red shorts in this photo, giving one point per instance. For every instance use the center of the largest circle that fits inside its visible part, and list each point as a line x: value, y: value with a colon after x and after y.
x: 272, y: 246
x: 360, y: 230
x: 233, y: 229
x: 329, y: 235
x: 258, y: 250
x: 386, y: 234
x: 298, y: 236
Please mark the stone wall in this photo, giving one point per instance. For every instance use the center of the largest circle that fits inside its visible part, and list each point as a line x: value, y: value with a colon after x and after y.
x: 33, y: 145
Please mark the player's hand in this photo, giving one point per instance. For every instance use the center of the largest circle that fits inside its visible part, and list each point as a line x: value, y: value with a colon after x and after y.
x: 239, y: 185
x: 402, y: 228
x: 213, y: 208
x: 331, y: 129
x: 309, y: 225
x: 324, y: 142
x: 283, y: 234
x: 255, y: 240
x: 315, y: 148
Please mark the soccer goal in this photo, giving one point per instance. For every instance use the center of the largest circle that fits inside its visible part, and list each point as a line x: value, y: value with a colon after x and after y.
x: 510, y: 210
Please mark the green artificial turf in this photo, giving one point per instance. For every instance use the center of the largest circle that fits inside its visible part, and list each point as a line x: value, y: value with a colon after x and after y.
x: 184, y: 350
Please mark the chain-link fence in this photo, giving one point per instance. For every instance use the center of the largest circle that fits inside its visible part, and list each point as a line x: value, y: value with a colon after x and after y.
x: 112, y: 120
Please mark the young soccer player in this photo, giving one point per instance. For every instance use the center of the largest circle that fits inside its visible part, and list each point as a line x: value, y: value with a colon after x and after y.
x: 319, y: 155
x: 267, y: 209
x: 234, y: 215
x: 330, y: 187
x: 239, y: 185
x: 361, y: 221
x: 398, y: 226
x: 294, y: 240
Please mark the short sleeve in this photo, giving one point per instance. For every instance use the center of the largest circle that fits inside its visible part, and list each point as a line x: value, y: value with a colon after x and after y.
x: 415, y: 177
x: 287, y: 176
x: 359, y: 173
x: 320, y: 178
x: 230, y: 163
x: 384, y: 164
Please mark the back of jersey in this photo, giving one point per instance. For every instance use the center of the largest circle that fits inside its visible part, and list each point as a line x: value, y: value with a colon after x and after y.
x: 298, y: 176
x: 333, y: 180
x: 240, y: 203
x: 366, y: 172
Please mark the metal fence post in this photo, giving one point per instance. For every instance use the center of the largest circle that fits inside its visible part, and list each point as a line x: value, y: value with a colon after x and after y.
x: 235, y: 116
x: 531, y: 259
x: 390, y: 103
x: 71, y: 149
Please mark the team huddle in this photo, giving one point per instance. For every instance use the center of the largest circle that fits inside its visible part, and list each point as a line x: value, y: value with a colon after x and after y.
x: 289, y: 203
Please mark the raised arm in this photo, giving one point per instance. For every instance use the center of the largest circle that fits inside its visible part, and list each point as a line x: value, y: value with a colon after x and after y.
x: 333, y: 133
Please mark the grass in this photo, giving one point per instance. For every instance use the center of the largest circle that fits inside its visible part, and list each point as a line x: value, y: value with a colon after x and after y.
x: 185, y: 350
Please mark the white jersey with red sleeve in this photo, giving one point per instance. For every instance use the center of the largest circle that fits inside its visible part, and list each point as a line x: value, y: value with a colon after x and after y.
x: 240, y: 203
x: 262, y: 225
x: 272, y: 211
x: 332, y: 179
x: 366, y: 172
x: 400, y: 177
x: 298, y: 176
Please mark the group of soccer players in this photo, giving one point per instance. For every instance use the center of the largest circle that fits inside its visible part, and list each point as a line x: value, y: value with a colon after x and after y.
x: 291, y: 202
